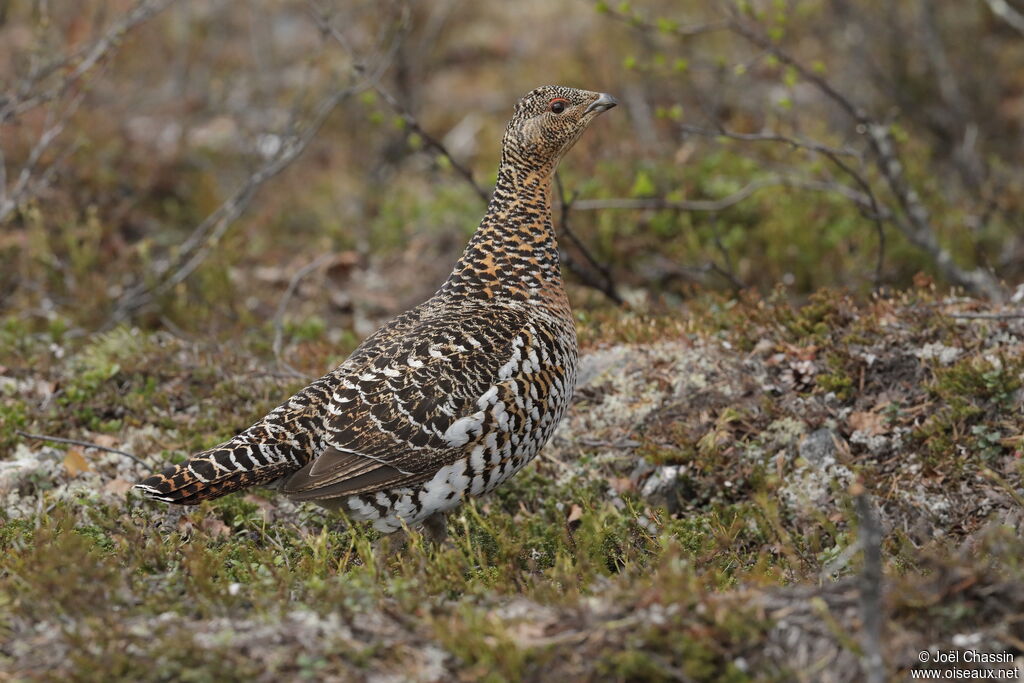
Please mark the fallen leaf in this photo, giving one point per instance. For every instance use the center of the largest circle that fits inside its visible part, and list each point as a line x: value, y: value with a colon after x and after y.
x: 105, y: 440
x: 74, y: 462
x: 214, y: 527
x: 266, y: 507
x: 575, y: 514
x: 870, y: 423
x: 117, y: 487
x: 621, y: 484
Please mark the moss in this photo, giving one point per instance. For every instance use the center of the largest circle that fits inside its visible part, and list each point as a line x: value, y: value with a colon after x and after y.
x: 975, y: 399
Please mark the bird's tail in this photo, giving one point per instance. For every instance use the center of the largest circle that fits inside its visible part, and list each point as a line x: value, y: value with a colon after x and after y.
x: 211, y: 474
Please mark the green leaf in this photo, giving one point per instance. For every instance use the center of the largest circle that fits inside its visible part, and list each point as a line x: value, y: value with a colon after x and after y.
x: 643, y: 186
x: 667, y: 25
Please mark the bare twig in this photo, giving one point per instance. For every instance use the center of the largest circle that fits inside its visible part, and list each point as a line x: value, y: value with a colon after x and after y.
x: 606, y: 285
x: 29, y: 97
x: 26, y: 186
x: 913, y: 219
x: 34, y: 91
x: 209, y: 232
x: 1009, y: 315
x: 659, y: 203
x: 914, y: 222
x: 282, y: 306
x: 664, y: 26
x: 872, y: 614
x: 770, y: 136
x: 83, y: 444
x: 729, y: 271
x: 411, y: 122
x: 872, y: 211
x: 1007, y: 13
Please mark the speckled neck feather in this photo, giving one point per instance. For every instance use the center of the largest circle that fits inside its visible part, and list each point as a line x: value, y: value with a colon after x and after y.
x: 513, y: 256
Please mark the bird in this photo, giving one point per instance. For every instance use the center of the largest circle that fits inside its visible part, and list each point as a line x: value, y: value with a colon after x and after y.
x: 445, y: 401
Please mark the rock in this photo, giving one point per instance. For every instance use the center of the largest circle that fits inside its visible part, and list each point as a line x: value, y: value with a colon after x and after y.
x: 819, y: 448
x: 663, y: 488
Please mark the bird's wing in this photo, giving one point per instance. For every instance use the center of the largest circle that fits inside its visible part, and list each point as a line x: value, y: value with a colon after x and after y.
x: 411, y: 405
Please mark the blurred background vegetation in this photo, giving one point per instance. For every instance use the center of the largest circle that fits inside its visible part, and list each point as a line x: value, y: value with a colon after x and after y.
x: 157, y: 171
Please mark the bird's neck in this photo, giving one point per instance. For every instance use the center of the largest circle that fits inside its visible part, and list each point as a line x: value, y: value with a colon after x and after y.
x: 513, y: 255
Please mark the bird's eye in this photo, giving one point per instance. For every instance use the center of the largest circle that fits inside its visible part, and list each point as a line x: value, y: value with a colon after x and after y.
x: 558, y: 105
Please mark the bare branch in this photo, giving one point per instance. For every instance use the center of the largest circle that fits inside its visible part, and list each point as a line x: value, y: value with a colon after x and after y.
x: 872, y: 211
x: 410, y: 121
x: 1004, y: 11
x: 915, y: 221
x: 209, y: 232
x: 26, y: 186
x: 84, y: 444
x: 606, y: 285
x: 658, y: 203
x: 282, y: 307
x: 664, y: 26
x: 32, y: 92
x: 1009, y: 315
x: 799, y: 143
x: 871, y: 608
x: 29, y: 97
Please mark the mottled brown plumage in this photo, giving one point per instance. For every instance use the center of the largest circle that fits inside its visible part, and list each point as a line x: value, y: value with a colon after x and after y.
x: 450, y: 398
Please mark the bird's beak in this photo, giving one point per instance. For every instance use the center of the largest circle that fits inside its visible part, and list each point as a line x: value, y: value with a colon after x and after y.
x: 603, y: 103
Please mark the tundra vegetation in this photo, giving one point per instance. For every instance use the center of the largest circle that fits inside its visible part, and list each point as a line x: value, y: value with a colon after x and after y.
x: 796, y: 259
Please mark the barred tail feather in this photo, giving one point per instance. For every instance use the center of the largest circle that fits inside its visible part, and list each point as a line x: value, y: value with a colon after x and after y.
x: 212, y: 474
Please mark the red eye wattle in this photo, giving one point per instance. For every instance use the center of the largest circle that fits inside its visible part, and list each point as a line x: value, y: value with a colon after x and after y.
x: 558, y: 105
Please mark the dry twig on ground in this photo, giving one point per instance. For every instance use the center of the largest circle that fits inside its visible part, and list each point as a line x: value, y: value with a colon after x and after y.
x: 83, y: 444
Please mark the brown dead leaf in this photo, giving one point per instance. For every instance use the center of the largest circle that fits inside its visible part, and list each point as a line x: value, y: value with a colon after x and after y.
x: 105, y: 440
x: 117, y: 487
x: 872, y: 424
x: 575, y: 514
x: 266, y: 507
x: 75, y: 463
x: 621, y: 484
x: 214, y: 527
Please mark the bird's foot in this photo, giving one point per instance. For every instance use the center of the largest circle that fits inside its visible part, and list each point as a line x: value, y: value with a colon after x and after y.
x: 435, y: 527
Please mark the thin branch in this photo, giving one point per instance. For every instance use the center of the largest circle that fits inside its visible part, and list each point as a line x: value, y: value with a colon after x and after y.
x: 834, y: 155
x: 664, y: 26
x: 659, y: 203
x: 1004, y: 11
x: 15, y: 105
x: 607, y: 283
x: 729, y: 271
x: 25, y: 187
x: 282, y: 307
x: 915, y: 223
x: 84, y: 444
x: 410, y: 121
x: 209, y: 232
x: 872, y: 610
x: 1009, y: 315
x: 799, y: 143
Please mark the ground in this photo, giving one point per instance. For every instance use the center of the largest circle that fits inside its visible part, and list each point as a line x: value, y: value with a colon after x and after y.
x: 693, y: 518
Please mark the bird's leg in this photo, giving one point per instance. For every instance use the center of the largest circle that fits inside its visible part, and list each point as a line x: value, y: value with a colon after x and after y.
x: 435, y: 527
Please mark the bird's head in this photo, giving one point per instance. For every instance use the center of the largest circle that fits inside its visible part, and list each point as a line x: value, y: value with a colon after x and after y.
x: 547, y: 123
